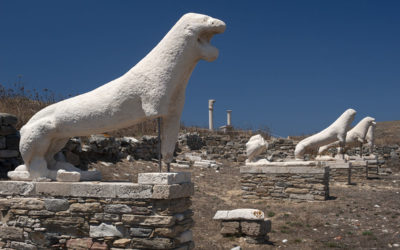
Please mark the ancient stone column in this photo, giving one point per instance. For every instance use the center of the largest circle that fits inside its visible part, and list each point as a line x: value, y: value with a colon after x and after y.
x: 228, y: 117
x: 210, y: 114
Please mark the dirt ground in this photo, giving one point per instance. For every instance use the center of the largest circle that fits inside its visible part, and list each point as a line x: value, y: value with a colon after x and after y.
x: 361, y: 216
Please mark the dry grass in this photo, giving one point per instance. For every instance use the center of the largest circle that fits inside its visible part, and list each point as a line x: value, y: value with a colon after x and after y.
x: 23, y: 104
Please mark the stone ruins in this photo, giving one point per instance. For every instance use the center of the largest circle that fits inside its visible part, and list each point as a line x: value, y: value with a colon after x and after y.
x: 228, y: 127
x: 210, y: 114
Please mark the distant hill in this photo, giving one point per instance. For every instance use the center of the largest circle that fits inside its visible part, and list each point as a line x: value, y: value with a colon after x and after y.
x: 387, y: 133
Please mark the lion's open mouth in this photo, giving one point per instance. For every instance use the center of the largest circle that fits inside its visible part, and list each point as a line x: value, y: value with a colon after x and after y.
x: 208, y: 51
x: 205, y: 38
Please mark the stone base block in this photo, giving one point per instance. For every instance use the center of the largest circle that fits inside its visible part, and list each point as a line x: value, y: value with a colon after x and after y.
x: 339, y: 171
x: 255, y: 228
x: 95, y: 215
x: 249, y: 223
x: 300, y: 183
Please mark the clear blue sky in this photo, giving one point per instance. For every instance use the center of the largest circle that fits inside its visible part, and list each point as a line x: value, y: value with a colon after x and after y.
x: 293, y: 66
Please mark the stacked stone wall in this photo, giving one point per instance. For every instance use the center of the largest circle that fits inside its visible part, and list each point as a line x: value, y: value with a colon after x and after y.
x: 49, y: 215
x: 288, y: 183
x: 9, y: 144
x: 340, y: 175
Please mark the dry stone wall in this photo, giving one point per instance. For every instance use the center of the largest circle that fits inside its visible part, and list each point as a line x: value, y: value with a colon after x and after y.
x: 48, y: 215
x: 9, y: 144
x: 232, y: 146
x: 105, y: 148
x: 341, y: 173
x: 290, y: 183
x: 216, y: 146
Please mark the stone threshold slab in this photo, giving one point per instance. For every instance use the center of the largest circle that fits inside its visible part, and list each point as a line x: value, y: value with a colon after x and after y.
x: 239, y: 214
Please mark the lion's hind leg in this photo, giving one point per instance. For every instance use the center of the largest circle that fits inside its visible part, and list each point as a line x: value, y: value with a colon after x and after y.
x: 38, y: 168
x: 55, y: 146
x: 34, y: 144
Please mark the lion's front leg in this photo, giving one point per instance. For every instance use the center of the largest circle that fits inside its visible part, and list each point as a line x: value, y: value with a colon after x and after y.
x: 342, y: 148
x: 169, y: 134
x: 170, y: 124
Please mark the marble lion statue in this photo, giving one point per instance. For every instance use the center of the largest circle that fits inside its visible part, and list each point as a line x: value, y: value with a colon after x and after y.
x: 354, y: 137
x: 336, y: 131
x: 154, y: 87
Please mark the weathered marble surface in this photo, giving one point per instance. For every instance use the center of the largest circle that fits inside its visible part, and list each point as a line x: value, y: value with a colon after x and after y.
x: 336, y: 131
x: 370, y: 137
x: 354, y: 137
x: 254, y: 147
x: 154, y: 87
x: 242, y: 213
